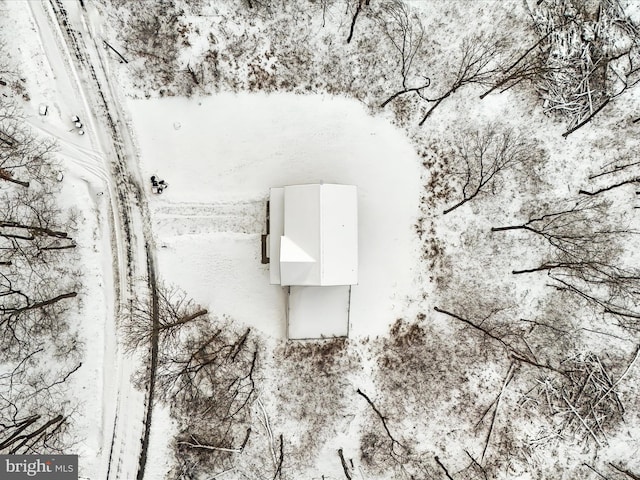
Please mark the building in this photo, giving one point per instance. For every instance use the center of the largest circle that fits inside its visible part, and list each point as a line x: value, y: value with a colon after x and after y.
x: 313, y: 250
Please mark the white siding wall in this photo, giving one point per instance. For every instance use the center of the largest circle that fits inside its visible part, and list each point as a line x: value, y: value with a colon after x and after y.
x: 276, y: 229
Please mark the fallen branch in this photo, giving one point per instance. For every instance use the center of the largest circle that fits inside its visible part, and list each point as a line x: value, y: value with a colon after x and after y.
x: 197, y: 444
x: 33, y: 229
x: 405, y: 90
x: 477, y: 327
x: 354, y: 19
x: 507, y: 379
x: 635, y: 357
x: 246, y: 439
x: 193, y: 316
x: 278, y: 472
x: 24, y: 439
x: 505, y: 75
x: 586, y: 120
x: 116, y: 51
x: 515, y: 354
x: 382, y: 418
x: 626, y: 472
x: 43, y: 303
x: 579, y: 417
x: 345, y: 468
x: 613, y: 170
x: 267, y: 427
x: 14, y: 180
x: 611, y: 187
x: 446, y: 472
x: 210, y: 447
x: 595, y: 471
x: 66, y: 377
x: 183, y: 320
x: 477, y: 465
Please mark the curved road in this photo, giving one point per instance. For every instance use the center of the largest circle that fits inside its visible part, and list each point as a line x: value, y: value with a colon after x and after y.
x: 69, y: 39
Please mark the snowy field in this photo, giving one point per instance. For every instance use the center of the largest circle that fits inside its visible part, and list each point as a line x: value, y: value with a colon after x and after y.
x: 221, y: 154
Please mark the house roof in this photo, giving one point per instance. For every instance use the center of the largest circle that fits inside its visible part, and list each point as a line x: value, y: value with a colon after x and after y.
x: 314, y: 235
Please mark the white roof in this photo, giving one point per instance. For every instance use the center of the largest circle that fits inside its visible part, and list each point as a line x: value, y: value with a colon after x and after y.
x: 318, y: 312
x: 314, y: 235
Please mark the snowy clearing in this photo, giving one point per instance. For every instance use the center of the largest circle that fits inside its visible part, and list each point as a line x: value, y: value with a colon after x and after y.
x: 220, y: 167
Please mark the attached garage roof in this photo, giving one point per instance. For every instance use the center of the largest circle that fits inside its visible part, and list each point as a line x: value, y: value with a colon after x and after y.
x: 314, y: 235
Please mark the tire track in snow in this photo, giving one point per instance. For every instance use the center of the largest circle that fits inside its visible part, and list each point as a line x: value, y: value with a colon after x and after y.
x: 88, y: 159
x: 247, y: 217
x: 133, y: 253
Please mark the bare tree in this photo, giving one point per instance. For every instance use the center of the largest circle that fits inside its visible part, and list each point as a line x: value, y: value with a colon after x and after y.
x: 324, y: 6
x: 576, y: 229
x: 40, y: 352
x: 206, y: 372
x: 480, y: 157
x: 476, y: 65
x: 625, y: 471
x: 31, y: 231
x: 586, y: 54
x: 406, y: 33
x: 621, y: 171
x: 33, y: 242
x: 175, y: 309
x: 324, y: 366
x: 404, y: 462
x: 23, y: 156
x: 23, y: 318
x: 34, y: 411
x: 359, y: 4
x: 574, y: 394
x: 587, y: 256
x: 506, y: 334
x: 213, y: 380
x: 527, y: 66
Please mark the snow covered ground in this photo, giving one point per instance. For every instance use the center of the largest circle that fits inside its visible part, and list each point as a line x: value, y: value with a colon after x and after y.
x: 221, y: 154
x: 49, y: 82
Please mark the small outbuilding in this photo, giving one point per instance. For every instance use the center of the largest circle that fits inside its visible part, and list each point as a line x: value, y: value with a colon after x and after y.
x: 313, y: 244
